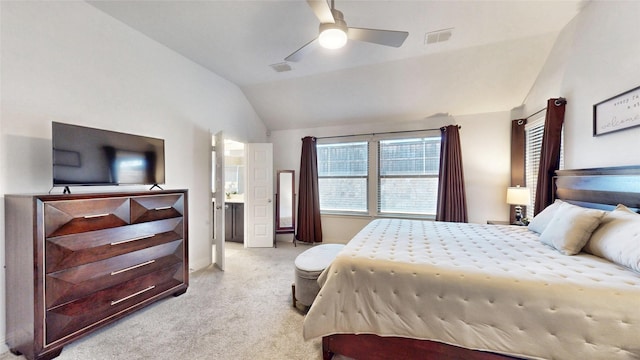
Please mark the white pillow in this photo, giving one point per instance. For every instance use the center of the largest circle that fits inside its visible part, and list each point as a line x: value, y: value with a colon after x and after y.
x: 540, y: 221
x: 618, y: 238
x: 571, y: 227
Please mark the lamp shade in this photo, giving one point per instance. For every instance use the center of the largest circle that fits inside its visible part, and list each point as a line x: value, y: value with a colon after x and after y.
x: 518, y: 196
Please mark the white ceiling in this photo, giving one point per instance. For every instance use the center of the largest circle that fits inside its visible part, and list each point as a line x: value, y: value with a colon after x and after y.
x: 489, y: 64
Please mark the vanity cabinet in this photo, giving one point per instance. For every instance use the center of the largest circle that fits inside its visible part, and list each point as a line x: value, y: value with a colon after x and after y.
x: 234, y: 222
x: 75, y: 263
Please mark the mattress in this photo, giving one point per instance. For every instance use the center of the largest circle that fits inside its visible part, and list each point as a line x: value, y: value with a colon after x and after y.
x: 483, y: 287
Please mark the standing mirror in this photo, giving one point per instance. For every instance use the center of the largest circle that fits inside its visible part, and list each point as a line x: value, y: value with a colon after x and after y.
x: 285, y: 202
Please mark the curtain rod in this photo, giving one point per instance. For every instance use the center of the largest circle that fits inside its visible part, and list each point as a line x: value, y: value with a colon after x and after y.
x: 559, y: 101
x: 381, y: 133
x: 536, y: 113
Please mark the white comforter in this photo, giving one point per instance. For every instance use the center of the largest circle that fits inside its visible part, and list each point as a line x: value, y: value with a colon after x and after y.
x: 483, y: 287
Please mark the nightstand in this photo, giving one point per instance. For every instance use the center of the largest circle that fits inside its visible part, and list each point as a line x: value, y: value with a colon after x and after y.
x: 498, y: 222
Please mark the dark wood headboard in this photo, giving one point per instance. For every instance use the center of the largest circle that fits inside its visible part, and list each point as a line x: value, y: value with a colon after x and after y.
x: 601, y: 188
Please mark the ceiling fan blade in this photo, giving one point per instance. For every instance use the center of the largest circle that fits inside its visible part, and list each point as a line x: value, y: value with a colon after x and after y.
x: 322, y: 10
x: 305, y: 49
x: 376, y: 36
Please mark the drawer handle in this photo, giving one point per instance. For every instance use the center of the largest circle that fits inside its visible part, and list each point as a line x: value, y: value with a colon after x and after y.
x: 130, y: 240
x: 96, y: 216
x: 132, y: 267
x: 132, y: 295
x: 163, y: 208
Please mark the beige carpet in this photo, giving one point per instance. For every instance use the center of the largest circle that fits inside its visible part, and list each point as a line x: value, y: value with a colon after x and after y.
x: 244, y: 312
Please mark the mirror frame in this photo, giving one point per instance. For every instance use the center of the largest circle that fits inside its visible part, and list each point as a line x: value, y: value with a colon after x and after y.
x: 279, y: 228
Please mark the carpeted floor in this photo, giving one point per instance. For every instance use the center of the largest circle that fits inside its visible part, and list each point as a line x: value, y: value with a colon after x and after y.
x: 244, y: 312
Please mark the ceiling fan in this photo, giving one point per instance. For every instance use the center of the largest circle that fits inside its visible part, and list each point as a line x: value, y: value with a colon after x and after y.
x: 333, y: 33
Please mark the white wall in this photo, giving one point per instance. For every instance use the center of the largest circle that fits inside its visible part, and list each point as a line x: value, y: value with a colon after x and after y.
x: 596, y: 56
x: 485, y: 142
x: 68, y: 62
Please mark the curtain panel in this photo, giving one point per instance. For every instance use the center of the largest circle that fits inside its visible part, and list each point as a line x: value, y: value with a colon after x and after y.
x: 550, y: 153
x: 518, y: 152
x: 309, y: 227
x: 452, y: 202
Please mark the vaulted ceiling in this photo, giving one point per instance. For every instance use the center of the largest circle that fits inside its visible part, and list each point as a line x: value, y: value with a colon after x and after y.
x: 489, y: 62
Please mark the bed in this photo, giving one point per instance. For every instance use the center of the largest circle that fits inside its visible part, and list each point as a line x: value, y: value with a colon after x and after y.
x: 407, y: 289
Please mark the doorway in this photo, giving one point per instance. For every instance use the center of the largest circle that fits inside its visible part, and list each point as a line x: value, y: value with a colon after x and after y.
x: 227, y: 189
x: 234, y: 190
x: 242, y: 195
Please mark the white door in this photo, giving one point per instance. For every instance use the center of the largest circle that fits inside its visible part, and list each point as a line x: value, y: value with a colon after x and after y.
x: 218, y: 199
x: 259, y: 196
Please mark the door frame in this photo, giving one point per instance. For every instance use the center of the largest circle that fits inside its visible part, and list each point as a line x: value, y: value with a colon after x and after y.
x: 218, y: 200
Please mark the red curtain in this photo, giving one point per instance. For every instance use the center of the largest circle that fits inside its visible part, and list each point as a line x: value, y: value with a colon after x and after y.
x: 309, y: 227
x: 518, y: 150
x: 550, y: 153
x: 452, y: 202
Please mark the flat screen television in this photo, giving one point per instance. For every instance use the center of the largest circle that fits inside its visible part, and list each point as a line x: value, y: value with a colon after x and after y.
x: 84, y: 156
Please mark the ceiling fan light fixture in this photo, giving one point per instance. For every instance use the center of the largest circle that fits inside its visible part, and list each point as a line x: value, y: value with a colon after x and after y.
x: 332, y: 36
x: 334, y: 32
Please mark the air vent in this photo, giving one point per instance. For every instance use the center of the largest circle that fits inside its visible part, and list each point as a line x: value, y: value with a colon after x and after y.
x: 437, y: 36
x: 281, y: 67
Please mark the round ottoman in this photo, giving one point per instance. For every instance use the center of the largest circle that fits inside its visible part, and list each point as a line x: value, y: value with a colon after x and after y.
x: 309, y: 265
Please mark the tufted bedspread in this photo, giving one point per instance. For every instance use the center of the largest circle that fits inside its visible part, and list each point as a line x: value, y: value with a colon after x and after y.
x: 484, y: 287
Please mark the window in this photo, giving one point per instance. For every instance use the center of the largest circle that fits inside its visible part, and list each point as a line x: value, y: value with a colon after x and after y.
x: 403, y: 173
x: 343, y: 176
x: 408, y: 176
x: 534, y: 131
x: 533, y: 144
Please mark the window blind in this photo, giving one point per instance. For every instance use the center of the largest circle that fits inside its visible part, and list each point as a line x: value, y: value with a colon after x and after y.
x: 534, y: 132
x: 403, y: 170
x: 408, y: 176
x: 343, y: 170
x: 533, y: 145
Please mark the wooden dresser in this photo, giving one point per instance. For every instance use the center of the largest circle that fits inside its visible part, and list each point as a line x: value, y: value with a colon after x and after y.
x: 75, y: 263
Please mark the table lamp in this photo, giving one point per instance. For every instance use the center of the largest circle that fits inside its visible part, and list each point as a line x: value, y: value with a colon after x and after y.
x: 518, y: 196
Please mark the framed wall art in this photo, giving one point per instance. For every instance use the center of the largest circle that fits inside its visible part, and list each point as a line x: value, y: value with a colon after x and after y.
x: 617, y: 113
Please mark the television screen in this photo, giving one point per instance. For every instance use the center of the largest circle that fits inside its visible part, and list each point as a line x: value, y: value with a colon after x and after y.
x: 88, y: 156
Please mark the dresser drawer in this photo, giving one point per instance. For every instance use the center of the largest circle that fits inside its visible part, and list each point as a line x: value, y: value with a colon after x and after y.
x: 77, y: 282
x: 100, y: 306
x: 155, y: 207
x: 73, y: 250
x: 77, y: 216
